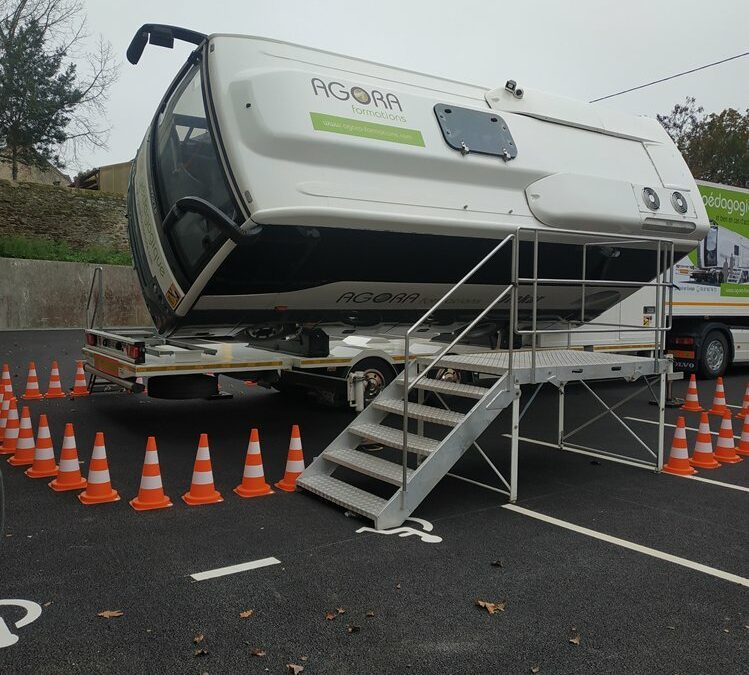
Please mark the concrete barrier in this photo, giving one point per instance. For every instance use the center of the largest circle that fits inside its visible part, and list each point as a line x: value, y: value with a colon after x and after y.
x: 46, y: 294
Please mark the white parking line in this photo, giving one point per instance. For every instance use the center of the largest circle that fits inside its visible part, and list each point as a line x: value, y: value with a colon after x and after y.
x: 673, y: 426
x: 645, y: 550
x: 639, y: 465
x: 582, y: 451
x: 233, y: 569
x: 731, y: 486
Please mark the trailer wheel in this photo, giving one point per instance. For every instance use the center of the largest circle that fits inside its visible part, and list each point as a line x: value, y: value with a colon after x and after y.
x: 378, y: 374
x: 713, y: 355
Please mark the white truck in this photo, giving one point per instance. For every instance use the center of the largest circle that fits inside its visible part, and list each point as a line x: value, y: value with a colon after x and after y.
x: 710, y: 299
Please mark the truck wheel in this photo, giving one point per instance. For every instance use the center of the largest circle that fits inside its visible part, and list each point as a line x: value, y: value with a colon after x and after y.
x: 378, y: 374
x: 714, y: 355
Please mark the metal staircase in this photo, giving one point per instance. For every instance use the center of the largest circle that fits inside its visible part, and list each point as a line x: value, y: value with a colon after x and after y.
x: 431, y: 437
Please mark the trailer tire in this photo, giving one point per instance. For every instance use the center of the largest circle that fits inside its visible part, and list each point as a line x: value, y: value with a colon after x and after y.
x: 714, y: 355
x: 378, y: 374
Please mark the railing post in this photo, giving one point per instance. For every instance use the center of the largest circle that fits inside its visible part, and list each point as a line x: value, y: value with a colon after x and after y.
x: 404, y: 454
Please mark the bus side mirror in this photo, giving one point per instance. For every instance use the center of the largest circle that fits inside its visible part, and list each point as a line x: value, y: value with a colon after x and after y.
x: 215, y: 216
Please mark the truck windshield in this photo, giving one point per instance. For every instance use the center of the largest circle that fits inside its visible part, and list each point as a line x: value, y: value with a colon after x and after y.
x: 187, y: 165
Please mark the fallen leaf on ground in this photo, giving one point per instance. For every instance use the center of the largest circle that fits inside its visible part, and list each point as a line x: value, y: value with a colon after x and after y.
x: 47, y: 604
x: 260, y: 652
x: 198, y: 638
x: 340, y: 610
x: 247, y: 613
x: 110, y: 613
x: 575, y: 639
x: 201, y: 652
x: 353, y: 628
x: 398, y: 586
x: 497, y: 563
x: 329, y: 616
x: 303, y: 658
x: 369, y: 614
x: 725, y: 630
x: 671, y: 627
x: 535, y: 669
x: 294, y: 668
x: 492, y: 607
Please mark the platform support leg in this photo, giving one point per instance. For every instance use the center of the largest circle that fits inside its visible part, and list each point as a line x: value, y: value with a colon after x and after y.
x: 514, y: 446
x: 560, y: 417
x: 661, y: 418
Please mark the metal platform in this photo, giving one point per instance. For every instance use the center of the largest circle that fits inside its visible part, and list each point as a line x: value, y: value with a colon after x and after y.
x: 426, y: 460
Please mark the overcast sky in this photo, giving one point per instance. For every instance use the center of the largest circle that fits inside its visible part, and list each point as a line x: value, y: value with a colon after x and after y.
x: 580, y: 48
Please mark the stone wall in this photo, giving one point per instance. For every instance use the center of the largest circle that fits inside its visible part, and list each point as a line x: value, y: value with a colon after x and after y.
x: 45, y: 294
x: 81, y: 218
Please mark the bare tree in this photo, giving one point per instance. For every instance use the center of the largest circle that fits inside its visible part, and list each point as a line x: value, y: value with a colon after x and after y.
x: 53, y: 86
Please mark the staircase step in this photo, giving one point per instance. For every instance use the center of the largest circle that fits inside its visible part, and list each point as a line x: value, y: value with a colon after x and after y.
x: 368, y: 464
x: 449, y: 388
x: 337, y: 491
x: 421, y: 412
x: 394, y: 438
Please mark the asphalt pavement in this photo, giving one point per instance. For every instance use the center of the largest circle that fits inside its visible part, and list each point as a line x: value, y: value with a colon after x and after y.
x: 605, y: 567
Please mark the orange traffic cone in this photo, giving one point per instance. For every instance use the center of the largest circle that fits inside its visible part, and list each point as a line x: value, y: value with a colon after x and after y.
x: 692, y: 401
x: 10, y: 436
x: 69, y: 477
x: 99, y: 489
x: 44, y: 465
x: 80, y: 388
x: 25, y: 443
x: 6, y: 383
x: 202, y: 489
x: 32, y: 392
x: 4, y: 406
x: 719, y: 406
x: 741, y: 414
x: 54, y: 390
x: 678, y: 461
x: 151, y: 493
x: 703, y: 456
x: 294, y: 462
x: 253, y: 479
x: 725, y: 449
x: 743, y: 447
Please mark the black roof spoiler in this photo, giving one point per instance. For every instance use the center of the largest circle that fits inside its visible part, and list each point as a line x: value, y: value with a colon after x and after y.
x: 161, y: 35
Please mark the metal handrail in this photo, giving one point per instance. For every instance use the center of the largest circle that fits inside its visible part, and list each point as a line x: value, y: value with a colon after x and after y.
x: 97, y: 275
x: 407, y: 387
x: 665, y: 260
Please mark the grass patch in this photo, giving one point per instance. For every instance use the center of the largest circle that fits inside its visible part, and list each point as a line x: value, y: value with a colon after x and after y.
x: 42, y: 249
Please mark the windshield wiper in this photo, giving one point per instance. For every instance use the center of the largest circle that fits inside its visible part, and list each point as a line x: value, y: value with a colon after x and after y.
x: 161, y: 35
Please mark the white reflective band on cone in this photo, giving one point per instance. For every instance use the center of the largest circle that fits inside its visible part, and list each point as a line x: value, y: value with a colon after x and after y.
x: 202, y: 477
x: 25, y: 444
x: 44, y: 433
x: 150, y: 482
x: 99, y: 452
x: 68, y: 465
x: 253, y: 471
x: 152, y: 457
x: 25, y: 423
x: 203, y: 453
x: 44, y: 453
x: 68, y: 443
x: 11, y: 433
x: 254, y: 449
x: 679, y: 453
x: 295, y: 465
x: 295, y: 443
x: 97, y: 477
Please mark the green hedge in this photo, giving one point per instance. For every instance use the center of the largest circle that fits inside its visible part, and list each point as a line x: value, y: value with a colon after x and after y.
x: 42, y: 249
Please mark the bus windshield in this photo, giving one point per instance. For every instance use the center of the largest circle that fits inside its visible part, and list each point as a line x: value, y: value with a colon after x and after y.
x: 187, y: 165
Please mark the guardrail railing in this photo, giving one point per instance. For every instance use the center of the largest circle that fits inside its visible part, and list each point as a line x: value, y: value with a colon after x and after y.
x: 663, y: 283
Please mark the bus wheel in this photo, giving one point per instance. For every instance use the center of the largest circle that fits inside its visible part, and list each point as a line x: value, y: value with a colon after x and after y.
x: 714, y: 355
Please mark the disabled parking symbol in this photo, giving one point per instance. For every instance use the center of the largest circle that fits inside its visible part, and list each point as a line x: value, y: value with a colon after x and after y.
x: 33, y: 612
